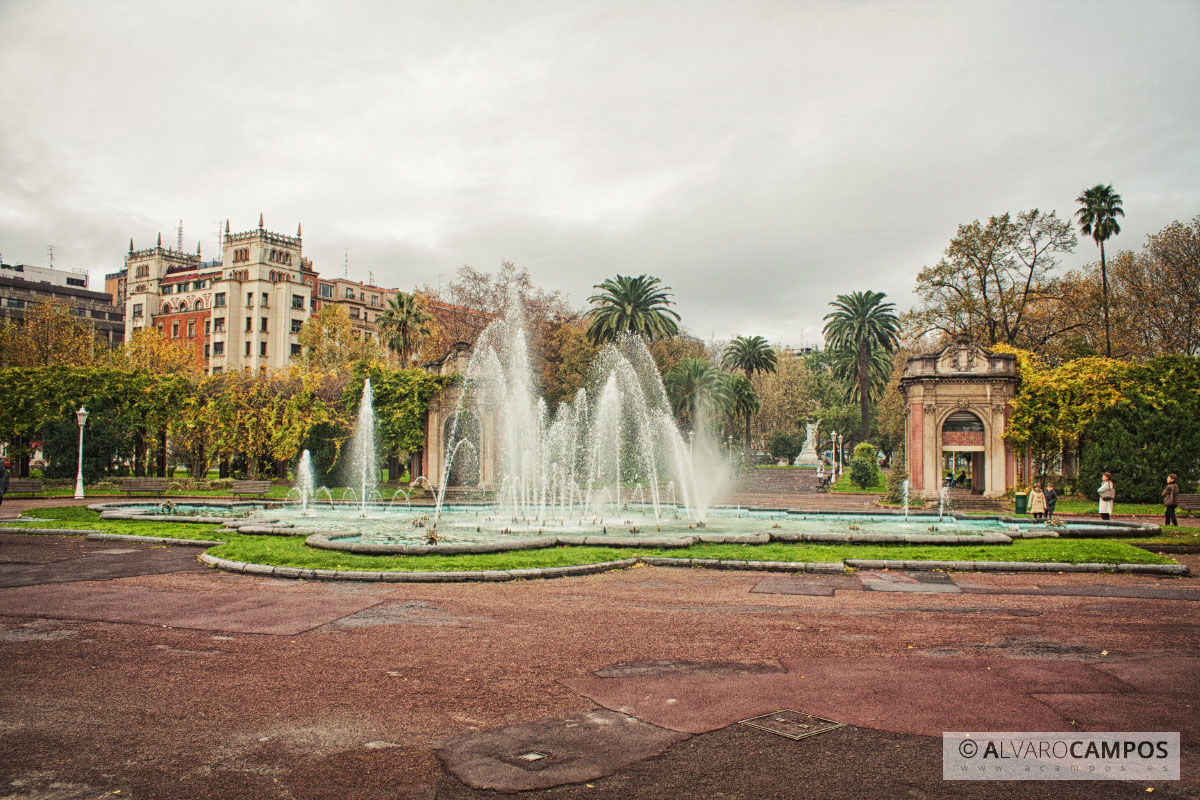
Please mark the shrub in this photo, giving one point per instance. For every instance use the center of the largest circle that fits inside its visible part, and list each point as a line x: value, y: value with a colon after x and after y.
x: 864, y: 469
x: 896, y: 479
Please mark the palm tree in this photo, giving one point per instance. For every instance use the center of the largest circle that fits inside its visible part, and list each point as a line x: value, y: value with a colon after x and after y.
x: 863, y: 324
x: 742, y: 401
x: 631, y: 305
x: 750, y: 354
x: 1099, y: 208
x: 844, y: 366
x: 403, y: 325
x: 696, y: 387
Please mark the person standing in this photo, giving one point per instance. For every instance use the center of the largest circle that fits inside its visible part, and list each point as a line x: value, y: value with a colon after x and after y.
x: 1037, y: 502
x: 3, y: 480
x: 1051, y: 500
x: 1107, y: 493
x: 1170, y: 497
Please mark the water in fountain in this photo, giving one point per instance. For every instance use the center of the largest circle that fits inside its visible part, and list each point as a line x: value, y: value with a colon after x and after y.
x: 905, y: 488
x: 585, y: 454
x: 305, y: 480
x: 943, y: 501
x: 362, y: 462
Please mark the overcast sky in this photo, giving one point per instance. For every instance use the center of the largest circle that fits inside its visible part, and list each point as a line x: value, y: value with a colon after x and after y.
x: 759, y: 157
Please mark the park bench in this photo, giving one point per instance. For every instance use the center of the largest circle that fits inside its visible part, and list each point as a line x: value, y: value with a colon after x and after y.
x: 823, y: 483
x: 259, y: 488
x: 157, y: 485
x: 24, y: 485
x: 1189, y: 503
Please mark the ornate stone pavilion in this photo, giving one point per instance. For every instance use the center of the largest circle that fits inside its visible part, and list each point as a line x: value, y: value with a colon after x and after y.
x: 468, y: 469
x: 957, y: 406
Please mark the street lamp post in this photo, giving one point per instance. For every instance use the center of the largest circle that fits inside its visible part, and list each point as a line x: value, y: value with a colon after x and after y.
x: 837, y: 453
x: 81, y: 416
x: 729, y: 441
x: 691, y: 442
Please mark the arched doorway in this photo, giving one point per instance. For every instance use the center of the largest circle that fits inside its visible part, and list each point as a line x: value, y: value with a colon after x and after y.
x: 964, y: 440
x: 461, y: 437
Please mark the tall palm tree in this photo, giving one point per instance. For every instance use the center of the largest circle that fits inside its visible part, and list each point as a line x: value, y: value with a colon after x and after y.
x: 403, y: 325
x: 696, y: 388
x: 741, y: 401
x: 631, y: 305
x: 1099, y: 208
x: 750, y: 354
x: 863, y: 323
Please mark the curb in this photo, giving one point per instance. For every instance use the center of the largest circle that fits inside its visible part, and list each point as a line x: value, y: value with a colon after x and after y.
x: 51, y: 531
x: 811, y: 567
x: 122, y: 537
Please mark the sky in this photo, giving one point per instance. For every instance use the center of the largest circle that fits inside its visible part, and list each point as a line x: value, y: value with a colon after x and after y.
x: 760, y: 158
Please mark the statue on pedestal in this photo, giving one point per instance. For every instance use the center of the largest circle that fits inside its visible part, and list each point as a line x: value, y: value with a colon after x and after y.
x: 808, y: 456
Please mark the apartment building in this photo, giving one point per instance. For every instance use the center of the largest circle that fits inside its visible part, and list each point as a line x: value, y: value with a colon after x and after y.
x: 242, y: 312
x: 364, y: 303
x: 24, y: 285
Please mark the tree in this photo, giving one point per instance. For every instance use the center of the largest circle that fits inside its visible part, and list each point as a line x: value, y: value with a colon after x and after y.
x: 631, y: 305
x: 1099, y: 208
x: 696, y: 389
x: 566, y: 361
x: 50, y: 334
x: 404, y: 325
x: 150, y: 349
x: 751, y: 354
x: 741, y: 401
x: 669, y: 351
x: 864, y: 469
x: 863, y: 323
x: 996, y: 282
x: 331, y: 343
x: 1157, y: 291
x: 782, y: 400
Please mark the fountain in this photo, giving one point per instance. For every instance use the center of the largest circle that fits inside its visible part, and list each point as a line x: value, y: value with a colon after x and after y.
x: 363, y: 463
x: 904, y: 487
x: 305, y: 481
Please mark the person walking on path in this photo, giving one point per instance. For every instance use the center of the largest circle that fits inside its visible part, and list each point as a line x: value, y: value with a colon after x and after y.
x: 1051, y: 500
x: 1107, y: 493
x: 3, y: 480
x: 1037, y: 502
x: 1170, y: 497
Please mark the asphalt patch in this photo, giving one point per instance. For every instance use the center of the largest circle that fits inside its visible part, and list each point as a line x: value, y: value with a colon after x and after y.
x: 1132, y: 592
x: 410, y: 612
x: 581, y: 748
x: 823, y: 586
x: 1023, y: 647
x: 670, y: 667
x: 62, y: 560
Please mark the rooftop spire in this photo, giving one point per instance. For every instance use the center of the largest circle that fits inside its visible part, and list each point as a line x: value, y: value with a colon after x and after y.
x: 297, y: 230
x: 131, y: 244
x: 160, y: 238
x: 226, y: 227
x: 260, y: 221
x: 197, y: 248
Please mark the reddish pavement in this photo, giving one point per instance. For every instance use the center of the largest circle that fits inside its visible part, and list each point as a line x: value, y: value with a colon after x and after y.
x: 174, y: 682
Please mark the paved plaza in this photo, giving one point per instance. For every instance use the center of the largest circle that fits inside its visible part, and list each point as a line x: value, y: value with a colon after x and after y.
x: 132, y: 668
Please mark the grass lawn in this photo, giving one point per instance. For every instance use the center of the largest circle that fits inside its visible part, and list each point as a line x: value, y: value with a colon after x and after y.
x: 291, y: 550
x: 275, y: 493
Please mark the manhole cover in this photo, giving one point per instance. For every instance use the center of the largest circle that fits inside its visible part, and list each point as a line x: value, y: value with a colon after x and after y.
x: 792, y: 724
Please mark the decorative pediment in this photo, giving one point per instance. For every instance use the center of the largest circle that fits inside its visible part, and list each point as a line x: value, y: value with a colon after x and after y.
x: 961, y: 359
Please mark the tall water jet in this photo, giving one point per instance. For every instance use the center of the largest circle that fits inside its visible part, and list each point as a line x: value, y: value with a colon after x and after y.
x: 362, y: 462
x: 305, y: 481
x: 585, y: 455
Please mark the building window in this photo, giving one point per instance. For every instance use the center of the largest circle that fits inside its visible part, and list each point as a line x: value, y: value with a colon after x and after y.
x: 206, y: 351
x: 249, y: 299
x: 326, y: 290
x: 263, y: 324
x: 353, y: 313
x: 76, y: 282
x: 216, y: 370
x: 297, y: 325
x: 219, y: 300
x: 219, y: 324
x: 207, y: 326
x: 218, y: 348
x: 298, y: 301
x: 296, y: 350
x: 249, y: 324
x: 262, y: 349
x: 168, y: 288
x: 349, y: 293
x: 247, y: 348
x: 174, y: 330
x: 191, y: 329
x: 265, y: 296
x: 137, y: 310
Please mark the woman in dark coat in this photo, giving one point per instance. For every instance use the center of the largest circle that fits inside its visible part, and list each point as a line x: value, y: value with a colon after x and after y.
x: 1170, y: 497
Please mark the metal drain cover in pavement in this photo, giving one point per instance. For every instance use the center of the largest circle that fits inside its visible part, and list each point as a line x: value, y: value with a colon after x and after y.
x: 792, y: 724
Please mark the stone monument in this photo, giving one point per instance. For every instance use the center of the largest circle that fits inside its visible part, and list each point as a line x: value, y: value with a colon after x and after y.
x: 808, y: 456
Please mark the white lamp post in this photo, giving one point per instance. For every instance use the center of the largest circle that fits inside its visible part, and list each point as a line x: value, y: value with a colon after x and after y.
x: 80, y: 415
x: 837, y: 453
x: 729, y: 441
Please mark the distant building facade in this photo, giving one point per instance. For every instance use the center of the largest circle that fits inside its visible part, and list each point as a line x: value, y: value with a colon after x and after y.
x: 24, y: 285
x: 242, y: 312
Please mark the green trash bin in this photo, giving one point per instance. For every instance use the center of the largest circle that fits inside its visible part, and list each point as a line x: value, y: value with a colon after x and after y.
x: 1022, y: 502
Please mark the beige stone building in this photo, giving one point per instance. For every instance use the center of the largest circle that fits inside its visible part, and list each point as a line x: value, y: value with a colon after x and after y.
x: 364, y: 303
x: 957, y: 407
x: 242, y: 312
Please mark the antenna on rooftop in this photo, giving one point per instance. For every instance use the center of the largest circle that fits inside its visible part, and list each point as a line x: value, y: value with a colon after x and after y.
x: 50, y: 254
x: 219, y: 241
x: 345, y: 262
x: 370, y: 278
x: 179, y: 239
